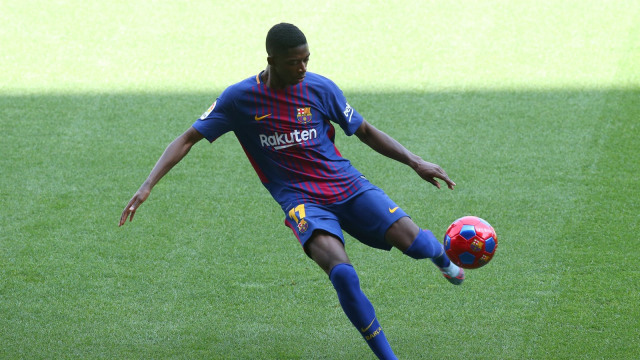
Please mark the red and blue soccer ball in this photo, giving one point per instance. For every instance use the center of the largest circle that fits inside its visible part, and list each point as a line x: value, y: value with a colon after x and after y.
x: 470, y: 242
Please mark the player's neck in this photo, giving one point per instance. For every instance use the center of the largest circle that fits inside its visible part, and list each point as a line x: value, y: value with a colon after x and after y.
x: 270, y: 80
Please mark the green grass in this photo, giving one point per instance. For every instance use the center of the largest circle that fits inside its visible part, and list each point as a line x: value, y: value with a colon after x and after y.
x: 531, y: 107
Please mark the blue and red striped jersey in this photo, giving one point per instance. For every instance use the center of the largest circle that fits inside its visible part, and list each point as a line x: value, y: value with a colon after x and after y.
x: 289, y: 137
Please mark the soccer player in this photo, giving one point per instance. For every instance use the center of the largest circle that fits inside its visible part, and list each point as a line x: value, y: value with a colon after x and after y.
x: 283, y: 118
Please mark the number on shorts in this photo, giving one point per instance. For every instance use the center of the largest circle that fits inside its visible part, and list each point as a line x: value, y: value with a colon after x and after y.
x: 300, y: 213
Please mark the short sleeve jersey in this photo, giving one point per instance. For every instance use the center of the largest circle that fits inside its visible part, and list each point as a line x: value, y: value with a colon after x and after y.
x: 289, y: 137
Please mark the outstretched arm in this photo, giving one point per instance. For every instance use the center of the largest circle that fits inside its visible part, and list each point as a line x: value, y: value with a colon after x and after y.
x: 172, y: 155
x: 389, y: 147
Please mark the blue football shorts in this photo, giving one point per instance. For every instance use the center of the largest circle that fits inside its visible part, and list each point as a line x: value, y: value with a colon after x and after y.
x: 366, y: 216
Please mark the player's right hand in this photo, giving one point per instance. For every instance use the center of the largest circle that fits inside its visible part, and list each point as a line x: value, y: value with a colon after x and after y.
x: 430, y: 172
x: 130, y: 210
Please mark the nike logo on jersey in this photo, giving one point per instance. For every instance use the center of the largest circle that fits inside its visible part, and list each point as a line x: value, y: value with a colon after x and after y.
x: 393, y: 210
x: 258, y: 118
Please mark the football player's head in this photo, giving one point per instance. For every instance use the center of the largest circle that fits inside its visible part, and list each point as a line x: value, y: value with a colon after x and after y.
x: 282, y: 37
x: 288, y: 54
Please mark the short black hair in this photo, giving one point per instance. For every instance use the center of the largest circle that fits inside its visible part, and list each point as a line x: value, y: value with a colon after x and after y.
x: 282, y: 37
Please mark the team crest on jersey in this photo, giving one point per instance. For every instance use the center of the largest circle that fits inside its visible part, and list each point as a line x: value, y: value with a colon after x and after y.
x: 304, y: 115
x: 209, y: 110
x: 303, y: 226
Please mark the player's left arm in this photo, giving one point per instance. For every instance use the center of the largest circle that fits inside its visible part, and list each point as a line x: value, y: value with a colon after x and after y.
x: 389, y: 147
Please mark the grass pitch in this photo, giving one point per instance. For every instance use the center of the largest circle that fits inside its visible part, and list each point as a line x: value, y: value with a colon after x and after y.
x: 531, y: 107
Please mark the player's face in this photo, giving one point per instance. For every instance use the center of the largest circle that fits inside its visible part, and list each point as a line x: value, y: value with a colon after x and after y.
x: 290, y: 67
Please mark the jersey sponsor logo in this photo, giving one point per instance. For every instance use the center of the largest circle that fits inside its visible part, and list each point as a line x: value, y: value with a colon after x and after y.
x: 348, y: 112
x: 281, y: 140
x: 209, y: 110
x: 303, y: 115
x: 258, y: 118
x: 393, y: 210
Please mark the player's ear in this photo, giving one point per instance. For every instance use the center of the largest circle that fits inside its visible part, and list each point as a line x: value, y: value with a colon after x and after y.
x: 270, y: 60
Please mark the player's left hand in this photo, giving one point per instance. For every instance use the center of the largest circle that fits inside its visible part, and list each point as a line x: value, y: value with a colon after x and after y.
x: 431, y: 172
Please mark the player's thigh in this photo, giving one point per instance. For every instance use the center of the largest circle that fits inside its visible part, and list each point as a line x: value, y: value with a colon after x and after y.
x: 326, y: 250
x: 306, y: 218
x: 370, y: 216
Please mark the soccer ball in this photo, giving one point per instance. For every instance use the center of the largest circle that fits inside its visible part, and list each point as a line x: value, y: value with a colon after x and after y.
x: 470, y: 242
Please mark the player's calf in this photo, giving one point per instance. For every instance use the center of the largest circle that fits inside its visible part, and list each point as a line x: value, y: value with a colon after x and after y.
x: 359, y: 309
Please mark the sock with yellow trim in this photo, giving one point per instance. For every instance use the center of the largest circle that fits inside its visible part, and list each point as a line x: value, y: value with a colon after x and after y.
x: 359, y: 309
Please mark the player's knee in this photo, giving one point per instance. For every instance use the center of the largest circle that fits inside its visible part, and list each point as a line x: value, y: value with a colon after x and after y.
x: 424, y: 246
x: 344, y: 278
x: 326, y: 250
x: 402, y: 233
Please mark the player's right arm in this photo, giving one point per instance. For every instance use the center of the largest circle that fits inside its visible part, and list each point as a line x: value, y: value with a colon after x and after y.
x: 172, y: 155
x: 391, y: 148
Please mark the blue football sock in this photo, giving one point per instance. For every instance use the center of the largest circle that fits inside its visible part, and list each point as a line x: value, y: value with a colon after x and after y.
x: 427, y: 246
x: 359, y: 309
